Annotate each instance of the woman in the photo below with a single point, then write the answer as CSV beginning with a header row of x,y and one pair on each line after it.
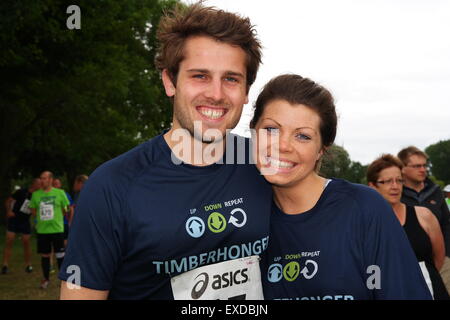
x,y
419,223
329,239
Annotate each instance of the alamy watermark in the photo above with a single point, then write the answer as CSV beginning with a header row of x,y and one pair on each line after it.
x,y
74,20
207,147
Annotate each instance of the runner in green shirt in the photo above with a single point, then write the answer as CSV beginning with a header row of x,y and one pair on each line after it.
x,y
49,206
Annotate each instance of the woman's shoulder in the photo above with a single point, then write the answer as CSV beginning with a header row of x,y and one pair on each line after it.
x,y
425,215
355,191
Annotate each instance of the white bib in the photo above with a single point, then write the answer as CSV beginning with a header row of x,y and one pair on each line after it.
x,y
238,279
25,208
46,212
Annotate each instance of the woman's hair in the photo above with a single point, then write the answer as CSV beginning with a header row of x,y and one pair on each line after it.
x,y
298,90
383,162
196,20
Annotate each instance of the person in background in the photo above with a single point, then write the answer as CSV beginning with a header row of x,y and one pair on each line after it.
x,y
49,205
419,190
421,226
447,194
18,222
78,184
69,214
329,239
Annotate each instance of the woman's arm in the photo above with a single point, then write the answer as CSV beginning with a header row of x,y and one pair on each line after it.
x,y
431,226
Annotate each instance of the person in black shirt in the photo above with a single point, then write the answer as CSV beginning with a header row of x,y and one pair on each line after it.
x,y
419,190
18,221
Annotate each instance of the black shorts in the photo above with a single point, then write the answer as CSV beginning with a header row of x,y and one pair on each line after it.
x,y
45,242
18,225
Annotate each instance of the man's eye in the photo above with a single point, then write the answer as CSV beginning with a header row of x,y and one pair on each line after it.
x,y
231,79
199,76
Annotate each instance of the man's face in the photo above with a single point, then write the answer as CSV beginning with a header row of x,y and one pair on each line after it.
x,y
77,185
46,180
211,86
36,185
57,183
416,168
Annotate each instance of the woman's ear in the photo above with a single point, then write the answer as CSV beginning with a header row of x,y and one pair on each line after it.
x,y
169,86
370,184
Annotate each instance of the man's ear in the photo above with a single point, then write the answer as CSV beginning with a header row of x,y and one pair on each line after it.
x,y
371,185
168,84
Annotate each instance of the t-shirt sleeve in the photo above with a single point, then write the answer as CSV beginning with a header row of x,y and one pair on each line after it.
x,y
95,241
393,271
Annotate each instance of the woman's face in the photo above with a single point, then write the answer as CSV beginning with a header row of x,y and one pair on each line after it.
x,y
390,184
289,142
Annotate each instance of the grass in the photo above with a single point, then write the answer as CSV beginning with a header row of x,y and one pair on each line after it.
x,y
19,285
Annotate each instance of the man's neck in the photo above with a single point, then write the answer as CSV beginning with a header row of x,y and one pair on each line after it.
x,y
47,189
415,185
193,151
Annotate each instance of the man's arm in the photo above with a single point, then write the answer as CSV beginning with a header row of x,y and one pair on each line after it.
x,y
81,293
70,214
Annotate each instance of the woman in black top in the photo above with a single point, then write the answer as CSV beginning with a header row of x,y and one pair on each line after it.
x,y
419,223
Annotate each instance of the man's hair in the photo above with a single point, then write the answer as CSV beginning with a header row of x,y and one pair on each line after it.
x,y
50,174
298,90
81,178
405,153
381,163
196,20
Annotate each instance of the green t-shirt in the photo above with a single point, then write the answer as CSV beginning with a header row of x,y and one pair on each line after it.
x,y
49,212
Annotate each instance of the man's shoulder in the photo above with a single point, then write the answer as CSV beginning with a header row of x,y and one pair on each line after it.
x,y
127,164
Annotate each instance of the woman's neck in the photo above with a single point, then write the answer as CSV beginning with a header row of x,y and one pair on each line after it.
x,y
300,197
400,212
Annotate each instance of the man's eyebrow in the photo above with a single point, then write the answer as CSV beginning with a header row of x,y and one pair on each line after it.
x,y
198,70
235,74
227,73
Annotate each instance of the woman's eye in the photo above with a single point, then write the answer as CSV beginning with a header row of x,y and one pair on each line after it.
x,y
272,130
303,137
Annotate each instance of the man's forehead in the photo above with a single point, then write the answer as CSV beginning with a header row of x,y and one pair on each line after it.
x,y
417,158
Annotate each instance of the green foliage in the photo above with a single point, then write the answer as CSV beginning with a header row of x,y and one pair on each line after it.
x,y
439,154
72,99
336,163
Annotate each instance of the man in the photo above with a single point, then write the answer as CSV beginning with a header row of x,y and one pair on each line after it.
x,y
419,190
78,184
49,205
150,216
18,221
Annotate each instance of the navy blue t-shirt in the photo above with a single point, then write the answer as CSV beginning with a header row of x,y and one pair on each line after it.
x,y
141,219
349,246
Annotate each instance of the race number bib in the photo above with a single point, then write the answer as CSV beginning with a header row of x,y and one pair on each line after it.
x,y
25,208
238,279
46,212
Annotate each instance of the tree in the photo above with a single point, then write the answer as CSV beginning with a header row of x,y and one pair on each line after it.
x,y
439,154
336,163
72,99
